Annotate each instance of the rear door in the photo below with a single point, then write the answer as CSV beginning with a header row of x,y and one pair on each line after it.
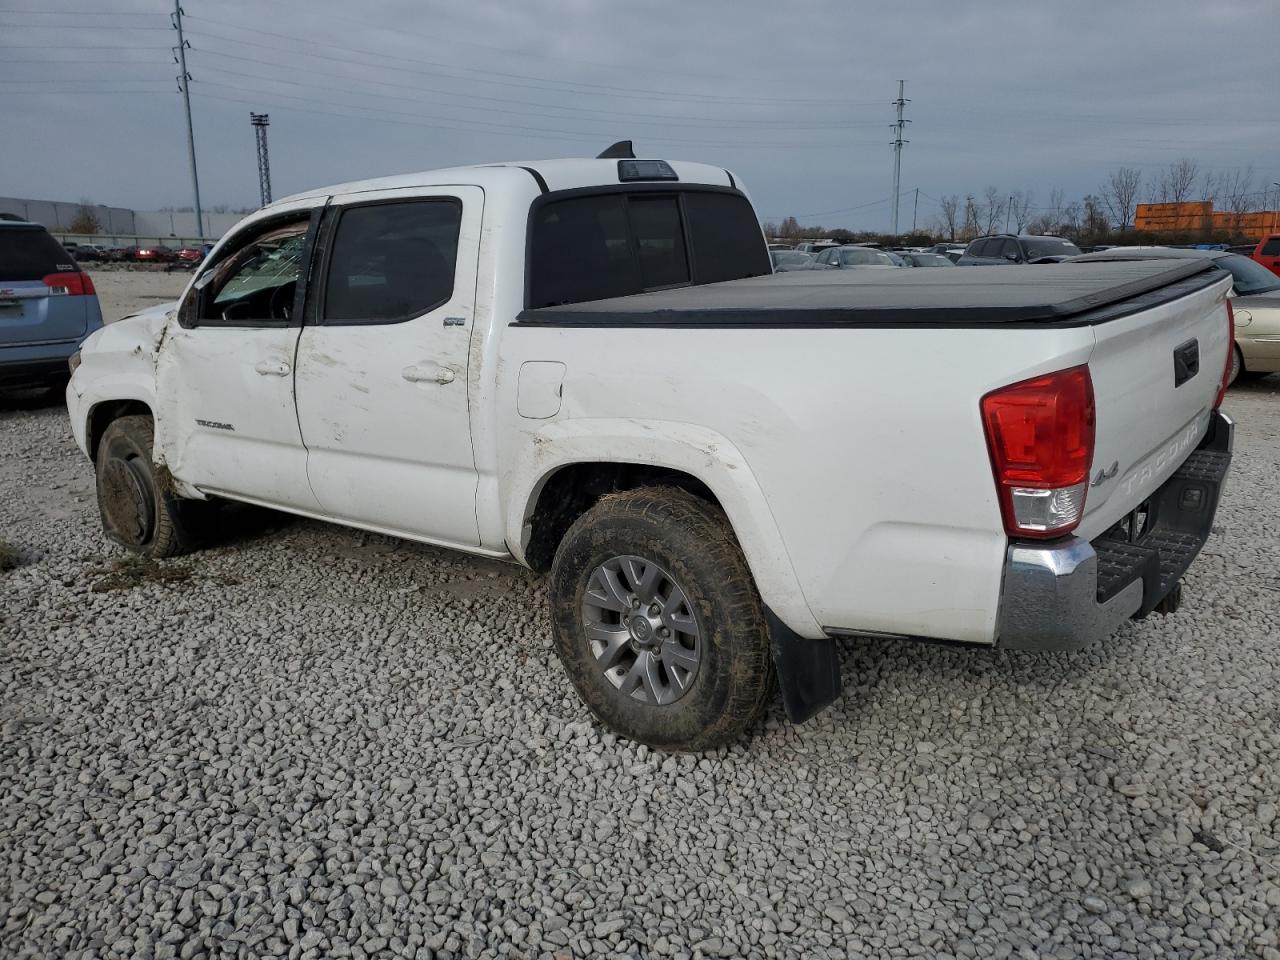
x,y
1156,375
382,363
38,301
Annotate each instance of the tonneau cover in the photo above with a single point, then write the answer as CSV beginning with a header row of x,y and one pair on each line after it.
x,y
956,296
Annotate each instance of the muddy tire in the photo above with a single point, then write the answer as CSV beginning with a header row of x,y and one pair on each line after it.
x,y
657,621
138,509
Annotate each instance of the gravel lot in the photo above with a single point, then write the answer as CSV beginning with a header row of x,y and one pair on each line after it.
x,y
312,742
122,291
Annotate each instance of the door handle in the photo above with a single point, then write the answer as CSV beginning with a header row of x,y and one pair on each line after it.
x,y
272,368
427,373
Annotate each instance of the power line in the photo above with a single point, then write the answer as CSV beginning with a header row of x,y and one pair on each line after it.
x,y
485,76
603,116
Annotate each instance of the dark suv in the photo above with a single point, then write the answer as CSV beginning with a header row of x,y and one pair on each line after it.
x,y
1006,248
47,306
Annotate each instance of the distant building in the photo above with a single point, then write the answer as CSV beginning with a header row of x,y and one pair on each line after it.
x,y
1199,216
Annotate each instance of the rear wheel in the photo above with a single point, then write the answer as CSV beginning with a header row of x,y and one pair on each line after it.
x,y
1237,365
657,620
139,509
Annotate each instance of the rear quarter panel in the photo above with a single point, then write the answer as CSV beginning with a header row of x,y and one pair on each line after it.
x,y
866,447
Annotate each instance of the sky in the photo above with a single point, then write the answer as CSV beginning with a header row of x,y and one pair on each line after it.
x,y
794,97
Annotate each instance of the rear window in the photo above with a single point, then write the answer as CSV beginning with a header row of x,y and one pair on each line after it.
x,y
726,237
1270,248
617,244
27,254
1051,247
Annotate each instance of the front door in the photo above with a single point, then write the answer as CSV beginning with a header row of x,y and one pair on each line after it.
x,y
226,422
382,363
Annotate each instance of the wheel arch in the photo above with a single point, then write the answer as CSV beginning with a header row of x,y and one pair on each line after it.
x,y
102,414
568,465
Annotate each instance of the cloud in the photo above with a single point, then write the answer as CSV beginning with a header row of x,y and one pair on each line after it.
x,y
793,97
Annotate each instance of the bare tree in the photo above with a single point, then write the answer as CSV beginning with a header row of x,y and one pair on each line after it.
x,y
1177,180
1095,222
1238,194
1070,219
950,215
1020,206
86,220
993,208
1120,195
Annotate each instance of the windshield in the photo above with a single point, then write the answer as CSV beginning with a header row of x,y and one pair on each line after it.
x,y
1050,247
1250,276
790,257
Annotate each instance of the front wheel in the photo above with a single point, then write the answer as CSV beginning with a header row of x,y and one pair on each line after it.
x,y
139,510
657,620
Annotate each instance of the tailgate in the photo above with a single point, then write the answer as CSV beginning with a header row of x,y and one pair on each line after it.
x,y
31,312
1156,374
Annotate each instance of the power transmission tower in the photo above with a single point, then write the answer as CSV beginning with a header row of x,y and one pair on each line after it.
x,y
184,79
260,123
898,128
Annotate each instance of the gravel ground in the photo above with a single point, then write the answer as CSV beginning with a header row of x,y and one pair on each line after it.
x,y
122,291
313,742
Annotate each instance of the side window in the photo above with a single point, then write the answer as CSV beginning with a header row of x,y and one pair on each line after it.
x,y
580,249
1010,247
656,225
978,248
390,262
257,282
726,238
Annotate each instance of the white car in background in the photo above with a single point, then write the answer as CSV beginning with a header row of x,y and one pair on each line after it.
x,y
1255,292
857,257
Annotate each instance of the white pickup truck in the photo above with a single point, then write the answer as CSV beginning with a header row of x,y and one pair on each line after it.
x,y
586,366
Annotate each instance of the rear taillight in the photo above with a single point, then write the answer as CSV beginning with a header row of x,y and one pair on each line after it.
x,y
1040,435
1231,355
69,284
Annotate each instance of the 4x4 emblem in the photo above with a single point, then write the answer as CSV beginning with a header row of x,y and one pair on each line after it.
x,y
1104,475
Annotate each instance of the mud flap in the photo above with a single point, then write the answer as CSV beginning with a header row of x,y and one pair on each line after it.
x,y
808,670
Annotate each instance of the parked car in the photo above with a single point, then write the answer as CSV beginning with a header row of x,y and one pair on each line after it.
x,y
153,253
1267,253
952,251
1256,302
89,252
816,246
784,261
927,260
47,306
855,256
189,256
691,559
1005,249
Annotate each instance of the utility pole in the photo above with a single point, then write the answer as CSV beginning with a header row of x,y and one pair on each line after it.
x,y
898,127
914,210
184,79
1007,211
260,123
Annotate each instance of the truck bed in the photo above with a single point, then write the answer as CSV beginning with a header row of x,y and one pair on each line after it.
x,y
1058,294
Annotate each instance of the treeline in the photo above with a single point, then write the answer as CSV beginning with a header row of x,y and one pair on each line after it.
x,y
1105,215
